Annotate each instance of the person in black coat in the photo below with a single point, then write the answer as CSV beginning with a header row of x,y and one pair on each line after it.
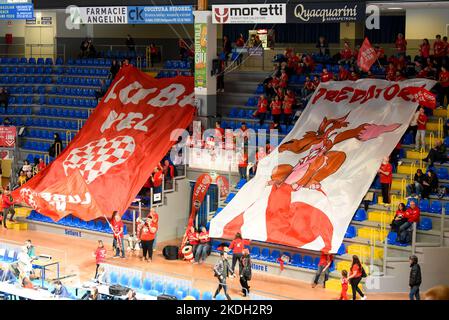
x,y
115,67
430,184
245,272
415,278
223,270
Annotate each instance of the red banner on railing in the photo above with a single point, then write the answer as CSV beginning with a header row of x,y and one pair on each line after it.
x,y
7,136
111,158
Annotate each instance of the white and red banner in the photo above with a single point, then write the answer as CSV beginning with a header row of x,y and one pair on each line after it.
x,y
112,156
7,136
306,191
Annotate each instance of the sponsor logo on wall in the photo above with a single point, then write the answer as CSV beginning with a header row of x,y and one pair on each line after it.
x,y
251,13
103,15
325,12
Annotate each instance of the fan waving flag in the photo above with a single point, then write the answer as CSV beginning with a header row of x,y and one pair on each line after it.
x,y
306,191
112,156
367,56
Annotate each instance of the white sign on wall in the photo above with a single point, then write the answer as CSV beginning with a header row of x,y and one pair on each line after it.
x,y
249,13
100,15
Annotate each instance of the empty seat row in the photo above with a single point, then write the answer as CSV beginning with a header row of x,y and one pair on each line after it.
x,y
26,90
38,146
100,72
61,112
83,103
52,123
15,110
16,60
26,70
77,81
16,121
48,134
24,80
89,62
172,74
177,64
21,100
72,91
8,254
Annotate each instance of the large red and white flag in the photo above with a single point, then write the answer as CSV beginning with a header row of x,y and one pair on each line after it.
x,y
112,156
367,56
306,191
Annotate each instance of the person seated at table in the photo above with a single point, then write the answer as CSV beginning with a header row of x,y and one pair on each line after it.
x,y
131,295
92,294
437,153
60,291
24,262
25,281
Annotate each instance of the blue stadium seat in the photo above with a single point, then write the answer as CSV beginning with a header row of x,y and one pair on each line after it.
x,y
136,284
147,285
159,287
351,232
342,249
424,204
275,254
436,206
360,215
124,280
442,173
296,260
307,262
113,278
264,254
425,224
255,252
170,289
229,197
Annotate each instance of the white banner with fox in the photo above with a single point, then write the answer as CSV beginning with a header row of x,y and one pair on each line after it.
x,y
305,192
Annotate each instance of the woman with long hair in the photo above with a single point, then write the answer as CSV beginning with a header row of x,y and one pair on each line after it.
x,y
237,245
399,218
356,274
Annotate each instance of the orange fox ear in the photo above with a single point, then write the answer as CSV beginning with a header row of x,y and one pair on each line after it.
x,y
323,125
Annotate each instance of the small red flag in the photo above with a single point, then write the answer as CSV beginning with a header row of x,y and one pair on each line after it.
x,y
424,97
367,56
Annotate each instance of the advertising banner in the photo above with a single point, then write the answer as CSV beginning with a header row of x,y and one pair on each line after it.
x,y
7,137
325,12
200,55
16,11
249,13
160,15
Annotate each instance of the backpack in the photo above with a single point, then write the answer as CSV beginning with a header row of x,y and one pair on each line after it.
x,y
364,275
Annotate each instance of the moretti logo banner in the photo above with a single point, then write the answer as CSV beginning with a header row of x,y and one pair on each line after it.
x,y
325,12
21,11
249,13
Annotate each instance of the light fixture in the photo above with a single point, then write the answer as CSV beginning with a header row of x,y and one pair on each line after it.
x,y
395,8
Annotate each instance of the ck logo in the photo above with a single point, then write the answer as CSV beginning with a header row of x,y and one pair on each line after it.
x,y
135,14
221,17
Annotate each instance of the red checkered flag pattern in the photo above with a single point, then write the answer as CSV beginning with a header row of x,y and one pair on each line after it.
x,y
115,152
367,56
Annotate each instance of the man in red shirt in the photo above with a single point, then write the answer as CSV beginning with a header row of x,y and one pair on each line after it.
x,y
287,106
421,133
276,109
386,177
323,266
309,88
438,48
443,90
7,206
346,53
412,215
326,76
343,74
401,44
391,72
157,181
118,232
243,164
262,108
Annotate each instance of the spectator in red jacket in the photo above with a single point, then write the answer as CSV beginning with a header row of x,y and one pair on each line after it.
x,y
401,44
443,88
354,76
276,109
346,53
262,109
308,89
203,247
438,48
100,256
243,164
386,177
391,72
193,239
326,75
118,232
237,245
7,206
156,180
412,215
316,81
287,106
240,41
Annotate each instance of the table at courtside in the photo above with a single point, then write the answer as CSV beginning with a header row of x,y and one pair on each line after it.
x,y
103,289
31,294
43,264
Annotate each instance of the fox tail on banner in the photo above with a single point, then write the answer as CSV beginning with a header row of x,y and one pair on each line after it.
x,y
202,184
112,156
